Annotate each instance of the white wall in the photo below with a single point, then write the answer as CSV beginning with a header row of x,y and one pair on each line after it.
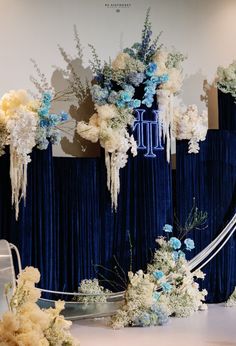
x,y
203,29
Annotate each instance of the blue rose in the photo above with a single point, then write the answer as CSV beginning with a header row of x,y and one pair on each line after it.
x,y
156,295
175,243
178,254
181,254
166,286
158,274
136,103
168,228
189,243
175,255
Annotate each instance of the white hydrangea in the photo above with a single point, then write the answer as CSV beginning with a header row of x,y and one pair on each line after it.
x,y
189,124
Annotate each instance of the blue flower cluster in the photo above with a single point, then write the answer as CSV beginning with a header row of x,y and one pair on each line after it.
x,y
47,123
155,316
123,98
151,86
106,92
162,315
99,94
176,244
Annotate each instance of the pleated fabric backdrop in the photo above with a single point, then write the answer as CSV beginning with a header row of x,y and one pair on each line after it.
x,y
34,232
210,177
227,111
68,226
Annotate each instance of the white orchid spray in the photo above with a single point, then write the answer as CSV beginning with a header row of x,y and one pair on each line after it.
x,y
24,124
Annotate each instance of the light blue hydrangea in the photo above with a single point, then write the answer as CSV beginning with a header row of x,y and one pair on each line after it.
x,y
189,243
175,243
158,274
143,320
136,103
168,228
99,95
120,104
126,96
162,315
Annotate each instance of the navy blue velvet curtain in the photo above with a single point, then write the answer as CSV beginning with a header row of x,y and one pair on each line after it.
x,y
210,177
227,111
34,232
68,226
90,233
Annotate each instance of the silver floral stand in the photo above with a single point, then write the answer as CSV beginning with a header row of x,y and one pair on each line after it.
x,y
7,273
76,310
73,310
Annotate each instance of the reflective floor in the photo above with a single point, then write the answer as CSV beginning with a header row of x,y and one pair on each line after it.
x,y
215,327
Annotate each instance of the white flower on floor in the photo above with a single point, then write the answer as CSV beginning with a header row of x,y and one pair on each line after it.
x,y
141,307
25,324
94,292
232,299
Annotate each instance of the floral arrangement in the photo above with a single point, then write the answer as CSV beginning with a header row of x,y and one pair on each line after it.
x,y
189,124
232,299
24,124
170,264
146,68
226,79
26,324
167,289
141,307
96,292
